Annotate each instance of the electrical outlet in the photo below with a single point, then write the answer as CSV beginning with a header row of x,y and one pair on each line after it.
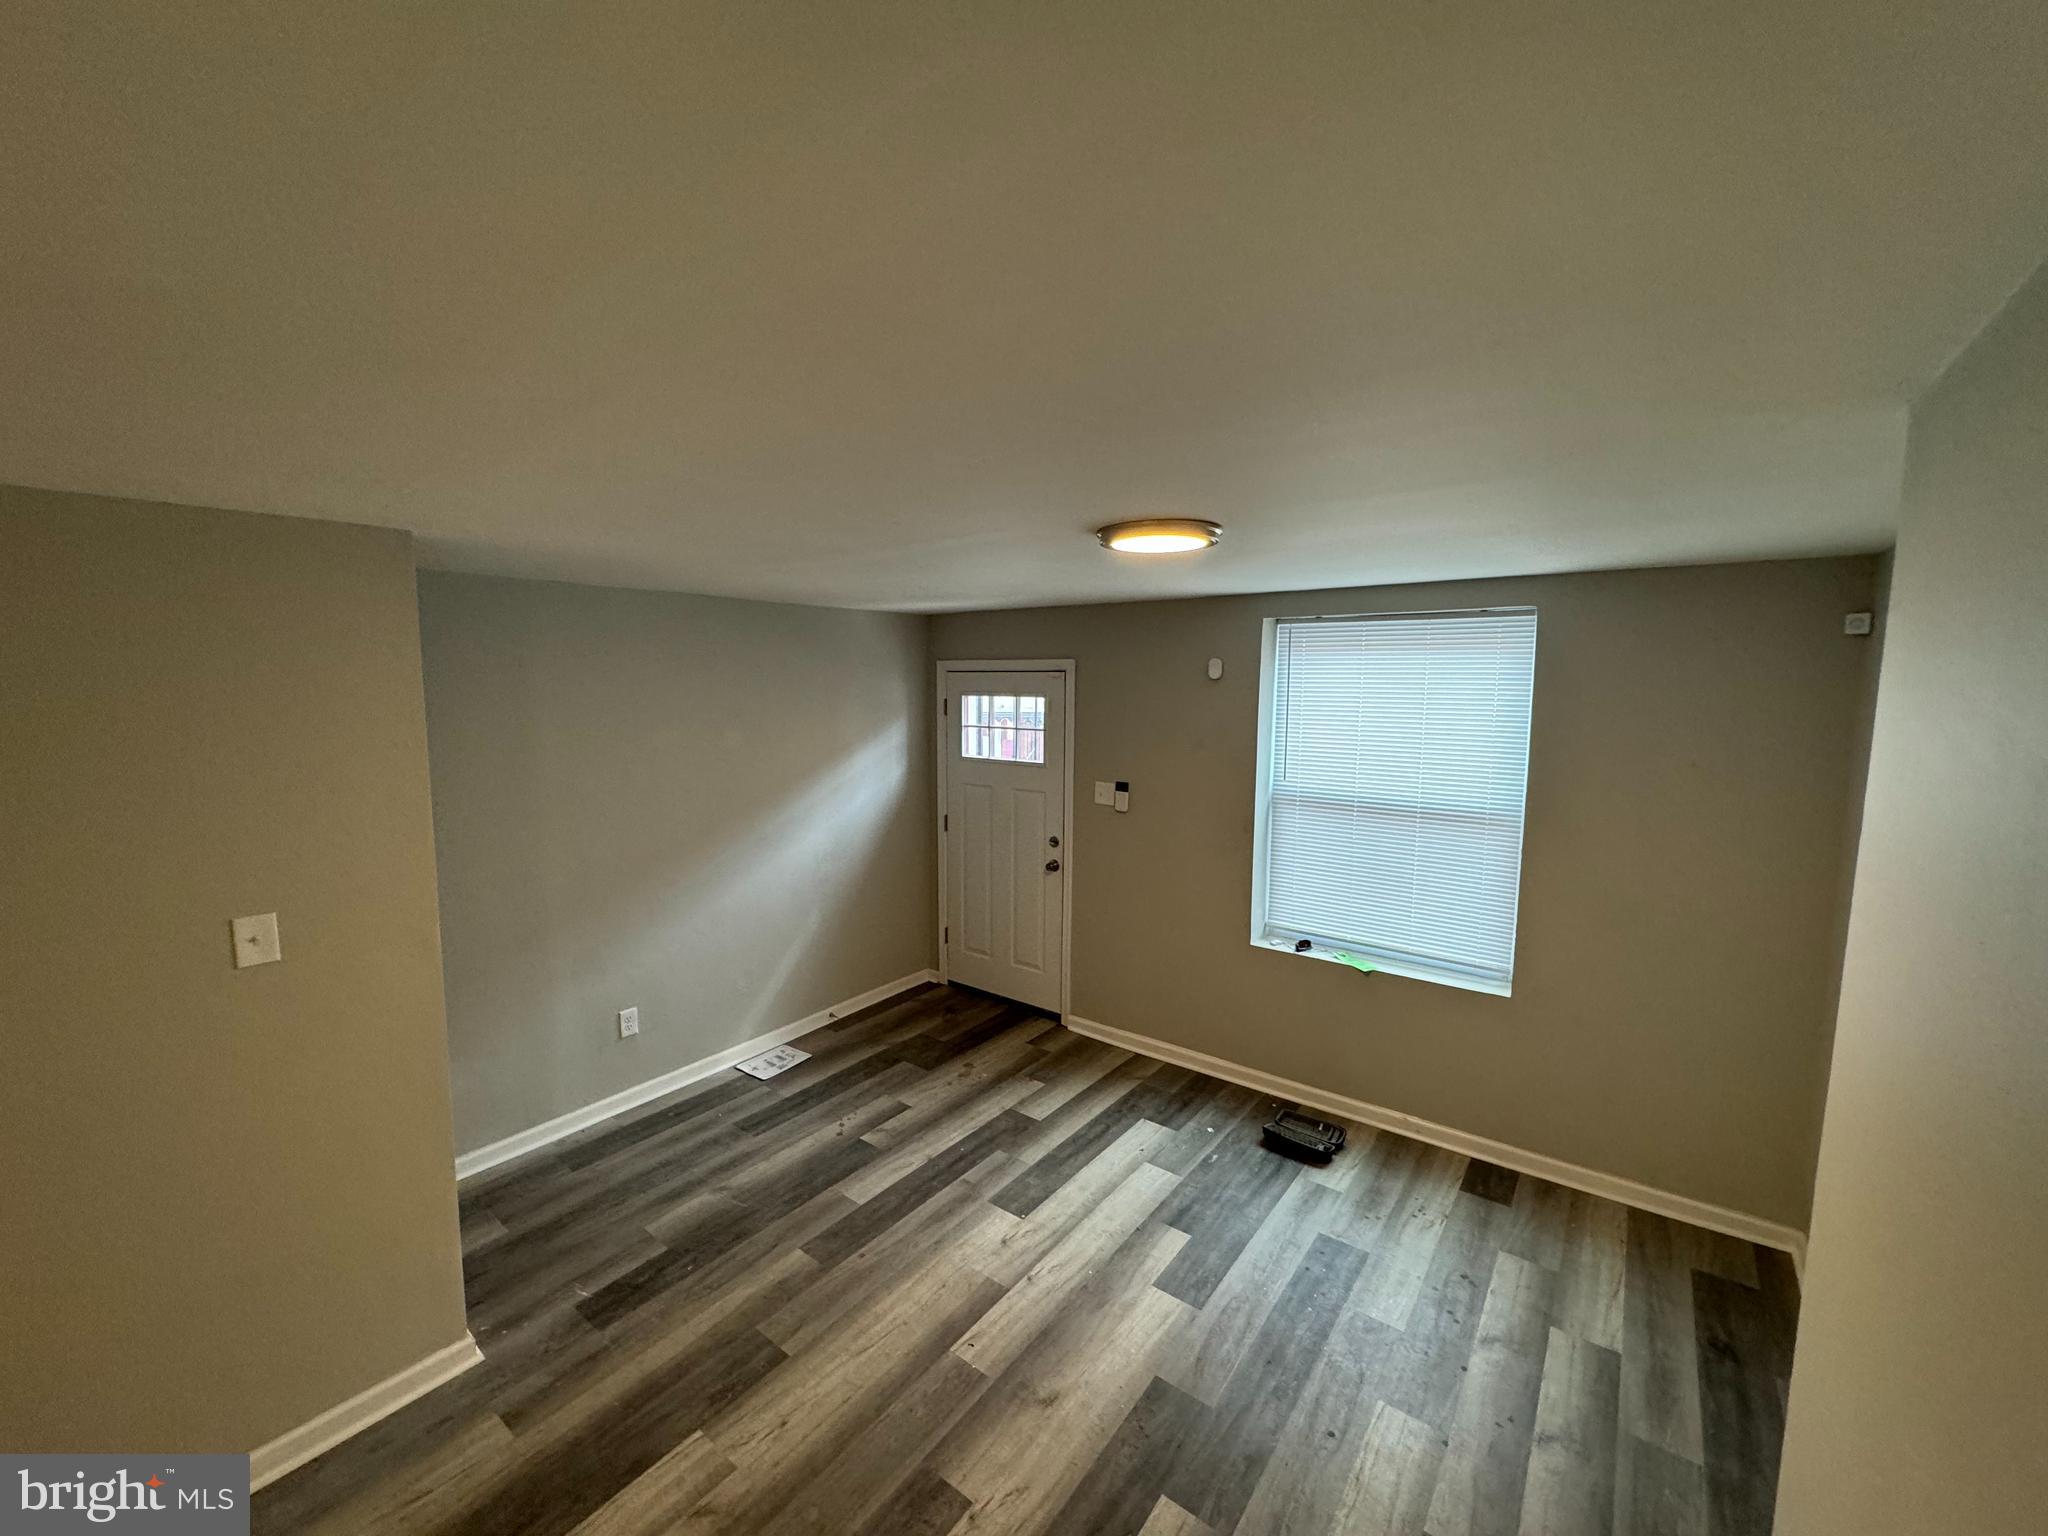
x,y
629,1022
1856,623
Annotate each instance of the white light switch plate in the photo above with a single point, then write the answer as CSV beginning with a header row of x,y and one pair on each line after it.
x,y
768,1063
256,940
629,1022
1105,792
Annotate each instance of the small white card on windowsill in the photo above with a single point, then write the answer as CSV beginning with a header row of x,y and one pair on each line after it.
x,y
768,1063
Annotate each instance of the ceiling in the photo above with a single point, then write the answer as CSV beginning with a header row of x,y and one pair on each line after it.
x,y
889,305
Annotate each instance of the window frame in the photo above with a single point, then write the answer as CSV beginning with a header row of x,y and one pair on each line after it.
x,y
1279,940
1018,731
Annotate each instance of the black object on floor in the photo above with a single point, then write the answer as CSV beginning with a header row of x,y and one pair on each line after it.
x,y
1297,1135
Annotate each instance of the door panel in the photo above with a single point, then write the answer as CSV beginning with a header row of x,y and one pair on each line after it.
x,y
1028,831
974,933
1006,771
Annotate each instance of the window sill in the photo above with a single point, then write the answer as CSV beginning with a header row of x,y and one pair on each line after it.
x,y
1390,967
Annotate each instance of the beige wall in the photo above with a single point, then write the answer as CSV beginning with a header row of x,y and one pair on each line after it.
x,y
227,1194
716,811
1917,1400
1691,762
1859,780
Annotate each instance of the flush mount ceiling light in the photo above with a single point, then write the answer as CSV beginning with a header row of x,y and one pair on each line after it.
x,y
1159,536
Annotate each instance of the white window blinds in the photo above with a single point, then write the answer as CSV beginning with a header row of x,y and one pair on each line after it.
x,y
1396,759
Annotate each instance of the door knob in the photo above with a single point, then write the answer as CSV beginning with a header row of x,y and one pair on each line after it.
x,y
1052,865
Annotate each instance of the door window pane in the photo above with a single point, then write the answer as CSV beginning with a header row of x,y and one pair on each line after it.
x,y
1003,726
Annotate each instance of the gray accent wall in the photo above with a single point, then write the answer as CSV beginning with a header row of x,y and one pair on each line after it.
x,y
1696,749
719,812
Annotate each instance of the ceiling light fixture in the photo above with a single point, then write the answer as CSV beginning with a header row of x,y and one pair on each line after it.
x,y
1159,536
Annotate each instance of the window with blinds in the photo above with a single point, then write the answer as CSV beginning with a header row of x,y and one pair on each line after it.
x,y
1393,759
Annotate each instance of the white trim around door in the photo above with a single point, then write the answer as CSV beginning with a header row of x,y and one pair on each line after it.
x,y
939,741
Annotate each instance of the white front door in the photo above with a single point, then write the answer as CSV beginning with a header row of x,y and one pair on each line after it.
x,y
1005,838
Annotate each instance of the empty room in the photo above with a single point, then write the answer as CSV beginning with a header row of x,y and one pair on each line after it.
x,y
898,769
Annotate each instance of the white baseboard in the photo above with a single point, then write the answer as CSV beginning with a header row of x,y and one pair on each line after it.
x,y
1610,1186
295,1447
575,1120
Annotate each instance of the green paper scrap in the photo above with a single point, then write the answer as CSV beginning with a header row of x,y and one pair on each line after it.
x,y
1353,961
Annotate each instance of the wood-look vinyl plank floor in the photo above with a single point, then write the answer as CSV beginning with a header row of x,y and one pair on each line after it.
x,y
964,1272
